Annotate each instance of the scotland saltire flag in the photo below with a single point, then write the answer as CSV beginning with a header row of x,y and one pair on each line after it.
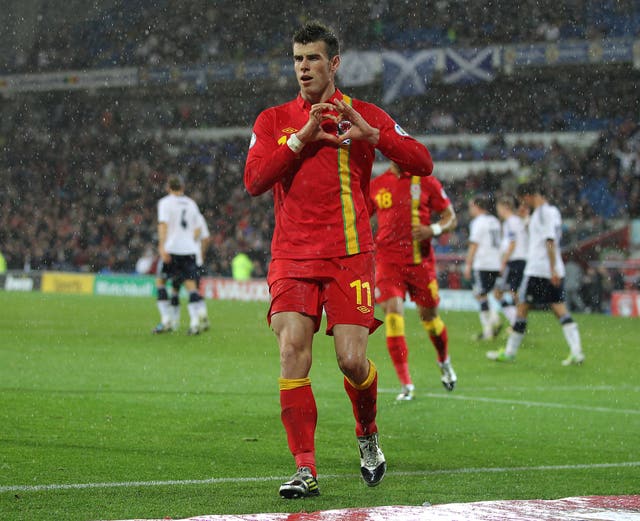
x,y
470,65
407,74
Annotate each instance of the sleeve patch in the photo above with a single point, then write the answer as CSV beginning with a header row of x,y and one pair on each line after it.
x,y
401,131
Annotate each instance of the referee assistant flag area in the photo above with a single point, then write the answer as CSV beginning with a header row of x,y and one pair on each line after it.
x,y
597,508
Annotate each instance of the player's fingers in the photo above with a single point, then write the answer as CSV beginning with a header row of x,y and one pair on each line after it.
x,y
330,137
332,117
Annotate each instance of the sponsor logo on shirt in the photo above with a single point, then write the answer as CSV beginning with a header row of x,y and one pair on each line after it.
x,y
287,132
364,309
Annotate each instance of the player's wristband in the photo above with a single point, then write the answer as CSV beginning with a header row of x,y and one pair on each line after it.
x,y
436,229
294,144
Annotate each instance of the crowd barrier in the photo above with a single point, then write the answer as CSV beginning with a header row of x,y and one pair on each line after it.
x,y
623,303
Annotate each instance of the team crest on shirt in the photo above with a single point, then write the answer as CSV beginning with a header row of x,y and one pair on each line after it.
x,y
343,127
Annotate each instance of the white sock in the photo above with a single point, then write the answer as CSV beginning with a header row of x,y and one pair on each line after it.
x,y
485,321
165,311
202,307
194,315
572,336
510,314
175,315
513,343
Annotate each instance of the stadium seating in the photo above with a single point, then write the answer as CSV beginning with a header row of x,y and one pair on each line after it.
x,y
99,157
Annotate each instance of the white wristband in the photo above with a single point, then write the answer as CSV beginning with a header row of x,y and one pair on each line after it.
x,y
294,144
436,229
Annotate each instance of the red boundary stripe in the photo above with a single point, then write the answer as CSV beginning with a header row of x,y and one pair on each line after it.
x,y
568,509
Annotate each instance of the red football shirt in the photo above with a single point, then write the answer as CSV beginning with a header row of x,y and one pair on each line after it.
x,y
321,196
401,202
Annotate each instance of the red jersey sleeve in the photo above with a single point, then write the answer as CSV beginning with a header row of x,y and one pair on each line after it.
x,y
267,161
398,146
438,200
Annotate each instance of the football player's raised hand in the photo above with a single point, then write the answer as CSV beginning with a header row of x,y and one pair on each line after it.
x,y
312,130
360,129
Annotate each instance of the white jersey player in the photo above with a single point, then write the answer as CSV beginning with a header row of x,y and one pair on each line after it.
x,y
202,236
202,239
545,224
513,251
483,261
178,227
543,277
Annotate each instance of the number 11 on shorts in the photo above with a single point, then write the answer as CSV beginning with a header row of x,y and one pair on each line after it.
x,y
360,287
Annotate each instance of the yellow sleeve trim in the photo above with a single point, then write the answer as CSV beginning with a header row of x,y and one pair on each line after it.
x,y
369,380
286,384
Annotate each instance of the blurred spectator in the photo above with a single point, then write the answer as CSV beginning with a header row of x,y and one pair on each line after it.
x,y
241,266
573,286
146,265
593,290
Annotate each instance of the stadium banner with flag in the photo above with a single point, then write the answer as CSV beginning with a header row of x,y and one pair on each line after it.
x,y
408,73
470,65
358,68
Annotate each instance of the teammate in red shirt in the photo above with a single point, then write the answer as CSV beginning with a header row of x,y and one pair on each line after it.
x,y
405,263
315,154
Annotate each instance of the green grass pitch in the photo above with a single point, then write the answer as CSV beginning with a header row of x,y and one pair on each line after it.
x,y
156,426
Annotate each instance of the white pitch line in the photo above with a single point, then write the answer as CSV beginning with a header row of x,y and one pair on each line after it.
x,y
174,482
526,403
558,388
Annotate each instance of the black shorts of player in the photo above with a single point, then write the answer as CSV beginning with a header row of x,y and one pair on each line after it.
x,y
538,290
181,268
179,281
484,282
512,277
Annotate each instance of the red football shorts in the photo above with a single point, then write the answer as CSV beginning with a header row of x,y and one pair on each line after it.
x,y
342,286
396,280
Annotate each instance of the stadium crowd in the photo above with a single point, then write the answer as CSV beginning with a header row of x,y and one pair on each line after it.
x,y
82,171
80,185
158,33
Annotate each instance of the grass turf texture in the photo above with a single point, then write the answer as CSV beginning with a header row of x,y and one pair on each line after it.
x,y
90,396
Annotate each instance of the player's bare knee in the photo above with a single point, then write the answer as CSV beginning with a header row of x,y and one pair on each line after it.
x,y
353,367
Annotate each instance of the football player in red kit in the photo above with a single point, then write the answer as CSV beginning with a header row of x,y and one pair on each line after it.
x,y
405,263
315,154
